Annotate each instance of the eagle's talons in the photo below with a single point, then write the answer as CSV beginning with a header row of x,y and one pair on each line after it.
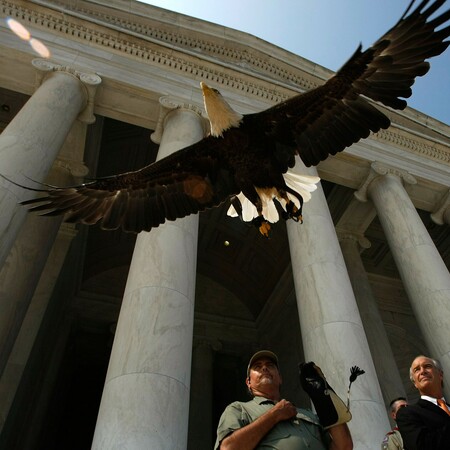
x,y
263,225
294,213
264,229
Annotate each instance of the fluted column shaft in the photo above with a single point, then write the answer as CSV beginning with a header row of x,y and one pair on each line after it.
x,y
20,274
145,402
32,140
380,348
424,274
331,327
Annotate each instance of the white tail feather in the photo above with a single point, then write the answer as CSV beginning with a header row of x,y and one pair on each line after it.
x,y
303,184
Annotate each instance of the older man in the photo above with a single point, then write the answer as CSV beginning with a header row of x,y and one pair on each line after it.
x,y
426,424
268,421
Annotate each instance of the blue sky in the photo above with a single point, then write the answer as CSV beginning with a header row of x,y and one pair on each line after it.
x,y
326,32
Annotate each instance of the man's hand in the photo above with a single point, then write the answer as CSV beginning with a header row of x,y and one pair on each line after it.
x,y
284,410
249,436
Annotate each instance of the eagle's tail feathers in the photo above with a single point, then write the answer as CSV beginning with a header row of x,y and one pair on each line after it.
x,y
304,185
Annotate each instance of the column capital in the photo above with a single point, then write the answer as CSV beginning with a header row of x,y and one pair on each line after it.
x,y
169,104
89,81
378,170
65,172
359,238
441,214
75,168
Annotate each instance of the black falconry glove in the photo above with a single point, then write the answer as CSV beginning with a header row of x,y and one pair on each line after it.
x,y
329,407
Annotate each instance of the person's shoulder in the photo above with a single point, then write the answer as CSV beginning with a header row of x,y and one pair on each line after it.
x,y
387,438
394,434
420,404
236,404
413,409
402,411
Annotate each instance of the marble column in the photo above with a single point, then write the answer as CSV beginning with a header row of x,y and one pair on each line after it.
x,y
423,272
332,332
380,348
20,275
201,435
31,142
27,258
11,377
145,402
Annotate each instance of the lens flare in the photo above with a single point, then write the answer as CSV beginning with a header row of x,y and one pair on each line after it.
x,y
20,31
39,48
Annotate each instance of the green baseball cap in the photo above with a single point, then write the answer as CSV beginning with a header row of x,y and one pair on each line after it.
x,y
262,354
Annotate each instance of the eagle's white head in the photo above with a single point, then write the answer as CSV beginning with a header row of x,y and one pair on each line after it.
x,y
220,114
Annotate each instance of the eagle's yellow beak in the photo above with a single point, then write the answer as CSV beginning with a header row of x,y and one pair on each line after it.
x,y
206,90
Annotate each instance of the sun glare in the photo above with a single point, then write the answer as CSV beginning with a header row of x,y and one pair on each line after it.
x,y
39,48
20,31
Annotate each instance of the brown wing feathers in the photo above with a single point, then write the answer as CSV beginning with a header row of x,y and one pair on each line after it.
x,y
399,56
315,124
342,120
336,115
134,201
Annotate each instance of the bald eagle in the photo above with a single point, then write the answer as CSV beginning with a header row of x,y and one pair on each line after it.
x,y
246,159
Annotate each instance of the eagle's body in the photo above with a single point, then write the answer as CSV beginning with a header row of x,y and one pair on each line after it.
x,y
246,158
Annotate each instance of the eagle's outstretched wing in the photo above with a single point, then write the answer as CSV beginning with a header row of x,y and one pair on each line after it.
x,y
336,115
186,182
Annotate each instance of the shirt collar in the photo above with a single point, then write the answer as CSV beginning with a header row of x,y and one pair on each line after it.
x,y
431,399
263,400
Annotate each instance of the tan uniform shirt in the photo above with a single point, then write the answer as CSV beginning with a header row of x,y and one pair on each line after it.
x,y
303,432
392,441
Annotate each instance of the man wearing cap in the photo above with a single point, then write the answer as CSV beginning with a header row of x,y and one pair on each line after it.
x,y
268,421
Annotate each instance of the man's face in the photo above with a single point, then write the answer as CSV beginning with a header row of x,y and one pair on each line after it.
x,y
427,379
263,375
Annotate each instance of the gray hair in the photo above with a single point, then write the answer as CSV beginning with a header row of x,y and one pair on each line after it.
x,y
435,362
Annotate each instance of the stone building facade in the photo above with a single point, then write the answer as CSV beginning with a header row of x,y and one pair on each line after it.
x,y
118,341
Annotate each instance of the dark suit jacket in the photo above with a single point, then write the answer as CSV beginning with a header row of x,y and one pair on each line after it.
x,y
424,426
